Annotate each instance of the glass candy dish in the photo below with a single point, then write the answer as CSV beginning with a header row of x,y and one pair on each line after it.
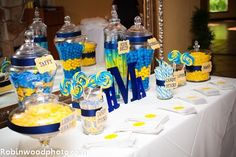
x,y
41,117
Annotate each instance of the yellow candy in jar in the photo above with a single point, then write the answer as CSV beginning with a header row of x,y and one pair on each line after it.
x,y
42,114
200,58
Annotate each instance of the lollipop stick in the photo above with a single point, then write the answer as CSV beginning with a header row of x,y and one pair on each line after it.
x,y
90,90
174,66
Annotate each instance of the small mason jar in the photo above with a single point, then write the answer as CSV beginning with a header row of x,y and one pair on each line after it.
x,y
93,115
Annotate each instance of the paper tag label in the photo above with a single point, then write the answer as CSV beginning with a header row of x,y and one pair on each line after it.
x,y
171,83
68,122
123,46
180,75
207,67
153,43
45,64
101,116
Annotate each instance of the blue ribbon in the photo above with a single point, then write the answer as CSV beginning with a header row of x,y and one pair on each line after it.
x,y
75,105
89,113
40,39
88,55
160,82
66,35
5,83
138,39
22,62
35,129
108,45
194,68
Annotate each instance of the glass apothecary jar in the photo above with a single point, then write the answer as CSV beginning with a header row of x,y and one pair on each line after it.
x,y
40,30
140,51
24,74
202,66
42,117
70,45
114,33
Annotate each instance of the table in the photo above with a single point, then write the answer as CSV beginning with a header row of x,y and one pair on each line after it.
x,y
209,133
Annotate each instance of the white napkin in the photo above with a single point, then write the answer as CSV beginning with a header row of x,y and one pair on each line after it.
x,y
180,108
222,84
193,99
146,124
207,90
124,139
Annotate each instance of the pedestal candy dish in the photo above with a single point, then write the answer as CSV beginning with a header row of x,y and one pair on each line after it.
x,y
42,117
24,74
140,52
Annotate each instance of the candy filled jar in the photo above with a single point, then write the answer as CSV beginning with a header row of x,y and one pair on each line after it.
x,y
70,45
114,33
42,117
89,53
93,115
140,51
163,72
40,30
24,74
202,66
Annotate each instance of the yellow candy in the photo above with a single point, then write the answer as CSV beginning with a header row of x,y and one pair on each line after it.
x,y
42,114
71,64
199,59
88,61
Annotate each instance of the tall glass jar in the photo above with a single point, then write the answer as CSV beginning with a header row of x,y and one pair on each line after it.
x,y
24,74
140,51
40,30
69,44
114,33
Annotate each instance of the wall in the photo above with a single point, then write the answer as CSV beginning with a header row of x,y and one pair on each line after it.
x,y
79,9
177,16
177,20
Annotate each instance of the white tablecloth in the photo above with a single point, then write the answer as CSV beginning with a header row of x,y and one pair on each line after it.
x,y
209,133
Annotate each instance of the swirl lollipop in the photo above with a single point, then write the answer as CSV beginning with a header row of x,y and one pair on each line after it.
x,y
5,65
174,56
77,91
91,81
104,79
187,59
65,87
80,78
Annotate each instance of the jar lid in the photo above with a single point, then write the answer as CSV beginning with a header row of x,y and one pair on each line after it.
x,y
137,32
27,53
68,29
38,26
114,22
196,48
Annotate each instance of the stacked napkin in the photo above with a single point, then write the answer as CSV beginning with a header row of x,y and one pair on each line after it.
x,y
150,123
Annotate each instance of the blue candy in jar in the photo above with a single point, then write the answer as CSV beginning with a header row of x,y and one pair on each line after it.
x,y
24,74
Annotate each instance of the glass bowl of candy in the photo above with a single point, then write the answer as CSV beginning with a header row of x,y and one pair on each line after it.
x,y
42,117
24,74
202,66
140,51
